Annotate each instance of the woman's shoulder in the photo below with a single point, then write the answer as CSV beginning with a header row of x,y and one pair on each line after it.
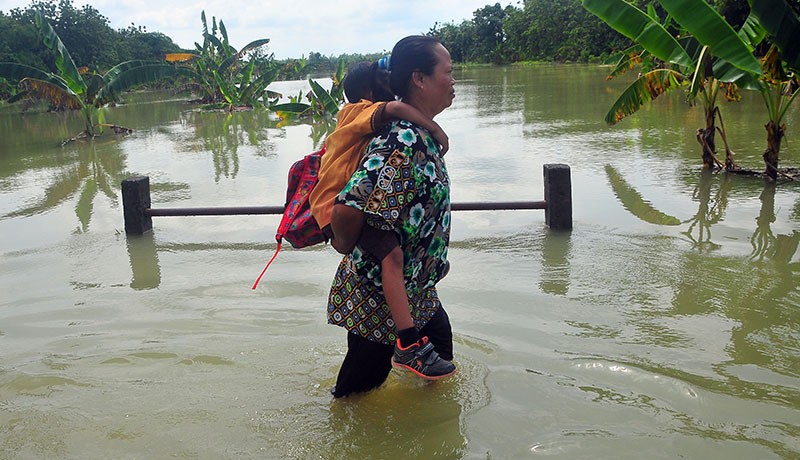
x,y
403,134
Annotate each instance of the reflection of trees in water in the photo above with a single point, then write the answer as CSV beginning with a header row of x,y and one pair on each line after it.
x,y
709,212
90,168
756,293
222,133
320,131
87,173
712,206
632,200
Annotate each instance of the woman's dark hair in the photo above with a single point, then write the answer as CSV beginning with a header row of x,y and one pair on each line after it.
x,y
414,53
363,78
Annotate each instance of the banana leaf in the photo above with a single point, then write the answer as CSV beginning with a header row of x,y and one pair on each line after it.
x,y
752,33
327,101
259,85
710,29
699,76
253,45
64,62
221,49
224,33
14,72
638,26
127,65
228,91
628,59
782,24
645,89
126,77
53,90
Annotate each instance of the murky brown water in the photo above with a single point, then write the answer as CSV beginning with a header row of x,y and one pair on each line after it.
x,y
664,326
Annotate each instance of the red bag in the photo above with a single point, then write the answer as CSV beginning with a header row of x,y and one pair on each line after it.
x,y
298,225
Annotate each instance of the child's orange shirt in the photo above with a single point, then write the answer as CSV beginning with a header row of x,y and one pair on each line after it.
x,y
344,149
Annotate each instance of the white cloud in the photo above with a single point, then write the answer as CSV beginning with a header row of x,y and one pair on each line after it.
x,y
294,27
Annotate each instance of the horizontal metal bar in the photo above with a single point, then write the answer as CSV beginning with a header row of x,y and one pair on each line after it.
x,y
244,210
498,205
218,211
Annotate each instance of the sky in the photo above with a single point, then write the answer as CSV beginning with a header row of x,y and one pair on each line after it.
x,y
294,27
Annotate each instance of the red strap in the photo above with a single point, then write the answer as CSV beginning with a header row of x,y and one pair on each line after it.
x,y
268,264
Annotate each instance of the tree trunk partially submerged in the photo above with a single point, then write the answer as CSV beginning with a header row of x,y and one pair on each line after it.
x,y
705,136
775,135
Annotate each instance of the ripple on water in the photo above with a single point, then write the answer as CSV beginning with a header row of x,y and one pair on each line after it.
x,y
38,385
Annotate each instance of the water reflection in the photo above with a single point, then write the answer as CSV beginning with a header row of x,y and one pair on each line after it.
x,y
222,133
710,210
632,200
88,168
143,257
556,254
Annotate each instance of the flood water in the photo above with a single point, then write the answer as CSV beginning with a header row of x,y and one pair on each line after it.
x,y
665,325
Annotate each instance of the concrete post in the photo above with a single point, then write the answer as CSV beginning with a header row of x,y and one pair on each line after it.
x,y
135,201
558,195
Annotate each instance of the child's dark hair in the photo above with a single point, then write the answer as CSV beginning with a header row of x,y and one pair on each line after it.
x,y
363,78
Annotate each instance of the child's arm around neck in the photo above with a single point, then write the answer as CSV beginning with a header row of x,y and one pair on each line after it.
x,y
399,109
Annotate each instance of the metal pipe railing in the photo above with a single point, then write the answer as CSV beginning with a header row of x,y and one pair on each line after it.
x,y
557,203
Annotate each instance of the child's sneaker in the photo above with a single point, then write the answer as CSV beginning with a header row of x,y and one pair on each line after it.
x,y
421,359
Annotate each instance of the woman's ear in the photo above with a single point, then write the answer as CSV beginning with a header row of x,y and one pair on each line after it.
x,y
417,78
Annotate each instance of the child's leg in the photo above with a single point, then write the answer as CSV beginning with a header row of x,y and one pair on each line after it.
x,y
440,333
394,289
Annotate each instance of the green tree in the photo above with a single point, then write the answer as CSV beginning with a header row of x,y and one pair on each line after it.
x,y
458,39
489,35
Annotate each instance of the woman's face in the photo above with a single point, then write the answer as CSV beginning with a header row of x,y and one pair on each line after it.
x,y
438,89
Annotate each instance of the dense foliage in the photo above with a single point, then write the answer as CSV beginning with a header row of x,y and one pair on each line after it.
x,y
550,30
85,32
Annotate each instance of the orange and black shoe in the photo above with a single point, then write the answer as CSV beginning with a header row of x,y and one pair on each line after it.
x,y
421,359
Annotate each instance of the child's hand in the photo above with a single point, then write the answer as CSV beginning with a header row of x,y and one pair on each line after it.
x,y
442,139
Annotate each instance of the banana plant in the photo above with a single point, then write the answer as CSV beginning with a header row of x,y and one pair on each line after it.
x,y
779,85
74,88
323,104
222,72
669,63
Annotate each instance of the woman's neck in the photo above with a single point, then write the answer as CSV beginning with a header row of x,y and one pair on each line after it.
x,y
414,100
